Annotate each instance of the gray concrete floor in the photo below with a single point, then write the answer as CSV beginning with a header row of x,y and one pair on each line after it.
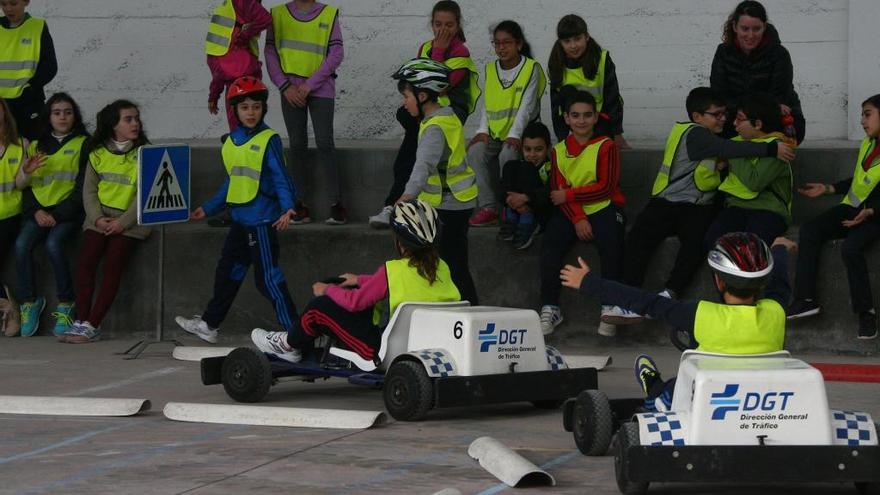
x,y
149,454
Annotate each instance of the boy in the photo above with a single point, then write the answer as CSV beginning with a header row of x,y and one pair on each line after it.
x,y
528,197
745,322
260,194
584,185
683,202
28,64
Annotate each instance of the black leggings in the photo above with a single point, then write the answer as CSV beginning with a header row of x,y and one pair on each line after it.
x,y
453,248
353,331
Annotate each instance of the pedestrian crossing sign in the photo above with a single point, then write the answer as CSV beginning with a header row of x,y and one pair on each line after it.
x,y
163,184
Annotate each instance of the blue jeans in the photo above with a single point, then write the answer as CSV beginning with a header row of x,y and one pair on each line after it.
x,y
55,238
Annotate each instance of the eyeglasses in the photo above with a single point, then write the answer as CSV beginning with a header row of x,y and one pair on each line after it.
x,y
720,114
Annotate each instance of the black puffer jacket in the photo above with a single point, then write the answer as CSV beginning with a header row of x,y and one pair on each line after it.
x,y
766,69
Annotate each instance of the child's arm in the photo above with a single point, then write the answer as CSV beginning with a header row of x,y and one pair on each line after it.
x,y
524,112
756,177
455,49
90,197
273,62
612,101
572,211
429,153
282,183
607,177
335,54
47,67
370,290
702,144
560,128
254,19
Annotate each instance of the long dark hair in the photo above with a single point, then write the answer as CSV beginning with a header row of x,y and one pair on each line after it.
x,y
750,8
425,259
516,32
874,101
108,117
9,130
78,129
570,26
452,7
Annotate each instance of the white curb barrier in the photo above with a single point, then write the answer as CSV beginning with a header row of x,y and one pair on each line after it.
x,y
506,465
71,406
186,353
295,417
448,491
598,362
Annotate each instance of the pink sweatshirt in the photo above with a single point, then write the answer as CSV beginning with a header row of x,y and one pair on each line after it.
x,y
455,49
370,290
251,19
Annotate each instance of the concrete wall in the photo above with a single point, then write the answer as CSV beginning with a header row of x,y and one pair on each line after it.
x,y
151,51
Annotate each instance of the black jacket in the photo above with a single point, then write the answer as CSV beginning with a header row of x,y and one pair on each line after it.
x,y
612,106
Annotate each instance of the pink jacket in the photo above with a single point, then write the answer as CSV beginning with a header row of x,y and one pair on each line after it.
x,y
251,19
370,290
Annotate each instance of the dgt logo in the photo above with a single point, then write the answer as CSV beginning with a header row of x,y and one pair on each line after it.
x,y
752,401
488,337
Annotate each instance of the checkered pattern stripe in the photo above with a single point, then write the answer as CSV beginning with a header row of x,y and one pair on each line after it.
x,y
661,429
437,362
853,428
554,358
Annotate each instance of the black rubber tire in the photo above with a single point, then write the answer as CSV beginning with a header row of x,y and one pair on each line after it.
x,y
593,423
867,488
627,435
548,404
408,391
247,375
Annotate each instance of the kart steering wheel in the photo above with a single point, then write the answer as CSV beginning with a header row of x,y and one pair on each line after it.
x,y
676,335
333,280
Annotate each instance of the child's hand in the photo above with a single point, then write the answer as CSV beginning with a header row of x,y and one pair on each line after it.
x,y
212,107
198,214
788,244
558,196
720,164
572,276
815,189
442,38
785,109
351,280
513,143
404,198
32,163
101,223
479,138
584,230
864,214
44,219
319,288
293,96
284,220
516,200
785,152
113,227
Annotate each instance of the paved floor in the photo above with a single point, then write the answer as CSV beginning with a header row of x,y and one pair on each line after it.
x,y
149,454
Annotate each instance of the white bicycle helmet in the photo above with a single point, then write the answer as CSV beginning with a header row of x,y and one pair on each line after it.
x,y
742,260
424,73
415,222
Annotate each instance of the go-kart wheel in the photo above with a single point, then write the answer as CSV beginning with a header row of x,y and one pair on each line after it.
x,y
865,488
593,423
247,375
408,391
627,435
548,404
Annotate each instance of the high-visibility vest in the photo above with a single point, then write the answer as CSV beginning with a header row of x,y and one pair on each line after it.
x,y
863,182
302,45
502,104
454,175
544,172
595,86
580,170
19,56
244,164
55,180
456,63
219,38
740,329
733,186
706,177
406,285
10,197
117,177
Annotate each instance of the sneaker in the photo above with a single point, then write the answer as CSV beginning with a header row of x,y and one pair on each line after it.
x,y
615,315
801,308
668,294
867,325
82,334
607,329
338,215
551,317
10,315
275,343
197,326
484,217
73,329
302,214
508,228
524,235
63,321
382,220
30,316
646,372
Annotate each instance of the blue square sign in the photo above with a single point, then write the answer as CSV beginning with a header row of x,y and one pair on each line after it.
x,y
163,184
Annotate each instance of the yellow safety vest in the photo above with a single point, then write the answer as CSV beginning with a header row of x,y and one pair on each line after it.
x,y
729,329
544,172
219,38
244,165
117,177
406,285
733,186
580,170
863,182
19,56
10,197
454,175
706,176
302,45
456,63
55,180
595,86
502,104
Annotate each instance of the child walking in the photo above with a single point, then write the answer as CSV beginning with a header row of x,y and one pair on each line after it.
x,y
12,156
527,205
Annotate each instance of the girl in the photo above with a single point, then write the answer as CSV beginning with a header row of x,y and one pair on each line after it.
x,y
356,311
52,179
577,62
446,47
12,154
111,229
854,221
514,86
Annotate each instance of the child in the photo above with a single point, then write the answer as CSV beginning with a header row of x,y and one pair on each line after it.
x,y
232,47
356,311
578,63
12,155
683,197
758,189
53,208
303,51
111,228
852,220
514,87
448,48
745,322
29,63
260,195
441,176
584,185
528,197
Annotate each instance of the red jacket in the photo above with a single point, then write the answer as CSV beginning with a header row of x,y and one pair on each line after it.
x,y
607,185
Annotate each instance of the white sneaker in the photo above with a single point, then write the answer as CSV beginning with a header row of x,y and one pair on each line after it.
x,y
551,317
382,219
275,343
616,315
197,327
607,329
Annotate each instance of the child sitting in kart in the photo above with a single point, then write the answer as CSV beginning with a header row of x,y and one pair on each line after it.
x,y
749,320
356,311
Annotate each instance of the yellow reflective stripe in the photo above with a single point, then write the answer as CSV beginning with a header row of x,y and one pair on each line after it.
x,y
303,46
16,65
245,172
428,188
59,176
7,186
462,184
853,199
116,178
501,114
217,39
13,83
223,21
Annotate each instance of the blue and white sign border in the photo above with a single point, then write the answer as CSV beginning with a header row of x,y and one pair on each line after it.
x,y
144,185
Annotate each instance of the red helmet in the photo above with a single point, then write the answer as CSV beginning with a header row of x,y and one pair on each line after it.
x,y
742,260
246,86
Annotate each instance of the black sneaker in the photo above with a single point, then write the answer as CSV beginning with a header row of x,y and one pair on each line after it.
x,y
302,214
338,215
524,235
867,325
801,308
